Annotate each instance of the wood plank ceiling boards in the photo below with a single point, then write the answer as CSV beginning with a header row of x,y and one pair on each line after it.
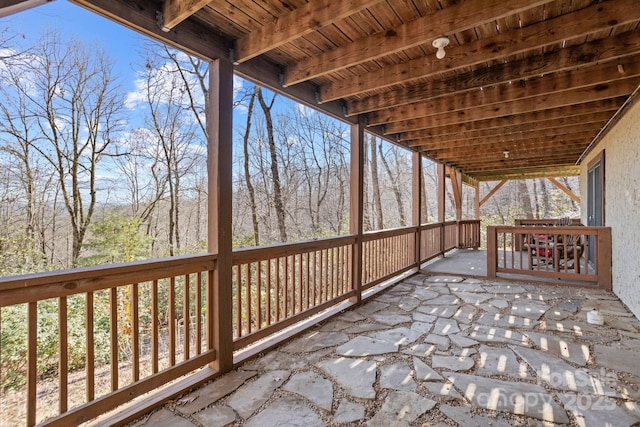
x,y
536,78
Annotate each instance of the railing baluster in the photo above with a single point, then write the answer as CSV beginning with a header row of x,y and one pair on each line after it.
x,y
113,324
32,361
90,356
277,273
247,299
135,334
238,300
154,326
172,321
268,293
259,294
63,354
199,313
186,316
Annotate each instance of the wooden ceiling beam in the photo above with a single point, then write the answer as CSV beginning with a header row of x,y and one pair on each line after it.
x,y
540,144
176,11
508,165
450,20
460,132
539,103
493,134
531,38
573,148
528,173
600,74
295,24
528,121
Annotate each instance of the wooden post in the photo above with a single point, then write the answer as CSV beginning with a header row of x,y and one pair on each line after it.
x,y
219,128
477,201
355,205
441,200
492,262
603,257
456,184
416,202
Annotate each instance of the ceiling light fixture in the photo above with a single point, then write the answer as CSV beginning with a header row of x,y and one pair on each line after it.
x,y
440,43
506,154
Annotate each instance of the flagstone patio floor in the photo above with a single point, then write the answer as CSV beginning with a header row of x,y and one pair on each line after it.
x,y
439,350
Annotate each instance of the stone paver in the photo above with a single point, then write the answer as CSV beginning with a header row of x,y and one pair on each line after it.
x,y
280,412
214,391
252,395
500,361
618,359
316,341
570,350
446,327
216,416
398,336
366,346
400,408
559,375
463,416
440,341
513,397
316,388
356,376
348,412
397,376
442,350
425,372
452,363
506,320
601,411
443,391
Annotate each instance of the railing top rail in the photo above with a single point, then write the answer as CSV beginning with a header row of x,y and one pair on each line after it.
x,y
569,229
39,286
256,253
380,234
156,268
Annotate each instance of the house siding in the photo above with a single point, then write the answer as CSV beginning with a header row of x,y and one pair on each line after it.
x,y
621,145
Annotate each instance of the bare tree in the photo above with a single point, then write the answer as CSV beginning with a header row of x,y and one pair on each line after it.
x,y
72,93
247,170
375,182
275,174
394,176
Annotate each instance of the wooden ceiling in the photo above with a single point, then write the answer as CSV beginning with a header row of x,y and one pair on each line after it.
x,y
538,79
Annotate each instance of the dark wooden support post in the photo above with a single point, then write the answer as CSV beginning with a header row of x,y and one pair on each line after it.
x,y
416,202
219,128
355,205
456,184
603,258
477,201
441,202
492,251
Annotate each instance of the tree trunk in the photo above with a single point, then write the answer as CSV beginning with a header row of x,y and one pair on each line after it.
x,y
277,189
376,183
394,184
247,172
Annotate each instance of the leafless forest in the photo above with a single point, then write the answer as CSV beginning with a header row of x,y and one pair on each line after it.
x,y
83,183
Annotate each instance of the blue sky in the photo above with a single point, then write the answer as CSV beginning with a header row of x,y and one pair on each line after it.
x,y
123,44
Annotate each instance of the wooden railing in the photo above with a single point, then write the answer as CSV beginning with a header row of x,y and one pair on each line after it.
x,y
276,286
571,252
157,331
386,254
144,324
542,222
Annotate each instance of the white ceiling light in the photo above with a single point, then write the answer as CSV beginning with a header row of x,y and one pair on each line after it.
x,y
440,43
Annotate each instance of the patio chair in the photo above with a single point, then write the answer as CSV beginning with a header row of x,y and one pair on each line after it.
x,y
539,250
567,251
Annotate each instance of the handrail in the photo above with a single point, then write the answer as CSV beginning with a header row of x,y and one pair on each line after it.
x,y
545,252
40,286
167,304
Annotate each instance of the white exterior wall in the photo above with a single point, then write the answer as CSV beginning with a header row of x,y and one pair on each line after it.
x,y
621,147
